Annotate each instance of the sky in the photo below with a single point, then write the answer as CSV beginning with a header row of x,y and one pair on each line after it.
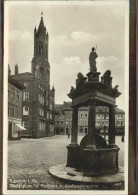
x,y
73,31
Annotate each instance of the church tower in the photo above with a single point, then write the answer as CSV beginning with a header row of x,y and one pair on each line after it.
x,y
40,58
38,99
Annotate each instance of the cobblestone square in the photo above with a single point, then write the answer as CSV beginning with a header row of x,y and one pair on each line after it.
x,y
30,159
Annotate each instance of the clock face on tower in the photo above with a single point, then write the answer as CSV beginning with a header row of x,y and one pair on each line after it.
x,y
26,84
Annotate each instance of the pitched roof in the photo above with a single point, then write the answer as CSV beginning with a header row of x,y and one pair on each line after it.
x,y
15,83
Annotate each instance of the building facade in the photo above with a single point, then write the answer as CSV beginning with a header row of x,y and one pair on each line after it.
x,y
102,119
38,98
14,109
59,123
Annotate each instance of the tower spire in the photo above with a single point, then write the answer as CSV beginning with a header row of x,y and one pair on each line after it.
x,y
41,28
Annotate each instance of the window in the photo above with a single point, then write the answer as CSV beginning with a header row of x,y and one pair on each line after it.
x,y
26,96
81,122
86,115
25,110
47,115
41,99
8,110
40,111
40,48
12,112
107,116
25,125
17,113
17,97
13,95
41,126
81,115
85,122
81,130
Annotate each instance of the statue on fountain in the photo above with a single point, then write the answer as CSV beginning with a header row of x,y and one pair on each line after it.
x,y
92,57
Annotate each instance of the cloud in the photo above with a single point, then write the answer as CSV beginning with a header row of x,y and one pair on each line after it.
x,y
82,36
71,60
79,43
17,35
108,61
64,74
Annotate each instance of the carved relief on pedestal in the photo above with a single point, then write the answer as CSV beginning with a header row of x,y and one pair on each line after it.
x,y
106,78
81,80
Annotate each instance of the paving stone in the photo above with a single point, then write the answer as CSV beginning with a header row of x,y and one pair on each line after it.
x,y
76,178
118,177
87,179
31,159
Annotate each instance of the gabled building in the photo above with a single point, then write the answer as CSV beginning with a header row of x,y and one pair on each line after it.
x,y
101,123
38,98
15,127
59,122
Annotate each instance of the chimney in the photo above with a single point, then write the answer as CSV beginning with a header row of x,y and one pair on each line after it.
x,y
16,69
9,70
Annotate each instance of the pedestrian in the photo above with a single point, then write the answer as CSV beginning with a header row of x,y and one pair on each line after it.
x,y
68,134
122,138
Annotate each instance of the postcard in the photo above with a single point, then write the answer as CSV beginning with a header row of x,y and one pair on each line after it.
x,y
66,97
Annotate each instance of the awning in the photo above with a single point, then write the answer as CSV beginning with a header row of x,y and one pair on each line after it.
x,y
21,127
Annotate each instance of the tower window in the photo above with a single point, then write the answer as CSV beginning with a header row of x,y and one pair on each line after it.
x,y
25,110
40,48
26,96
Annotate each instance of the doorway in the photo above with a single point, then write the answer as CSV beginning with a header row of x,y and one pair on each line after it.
x,y
86,130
